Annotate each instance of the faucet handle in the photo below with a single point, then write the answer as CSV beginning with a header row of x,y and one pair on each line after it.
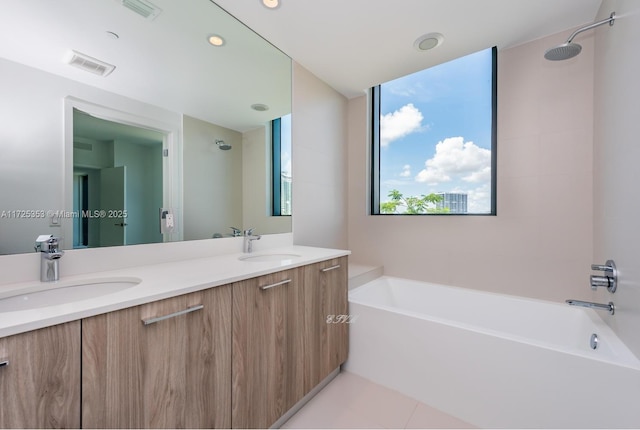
x,y
41,240
53,243
604,267
249,231
610,280
600,281
236,231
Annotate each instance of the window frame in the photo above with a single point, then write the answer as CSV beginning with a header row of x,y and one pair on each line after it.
x,y
375,149
276,168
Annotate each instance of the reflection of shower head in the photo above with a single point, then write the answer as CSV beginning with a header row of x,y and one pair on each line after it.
x,y
569,49
222,145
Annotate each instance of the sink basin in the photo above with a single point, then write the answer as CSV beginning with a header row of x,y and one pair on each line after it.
x,y
261,258
45,294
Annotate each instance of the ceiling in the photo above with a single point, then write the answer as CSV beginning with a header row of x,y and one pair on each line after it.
x,y
355,44
97,129
350,44
165,62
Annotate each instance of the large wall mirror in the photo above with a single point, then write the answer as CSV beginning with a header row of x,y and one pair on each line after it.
x,y
136,121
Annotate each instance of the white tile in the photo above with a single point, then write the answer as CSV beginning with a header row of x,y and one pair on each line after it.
x,y
388,408
352,402
520,197
566,153
341,393
518,156
426,417
328,418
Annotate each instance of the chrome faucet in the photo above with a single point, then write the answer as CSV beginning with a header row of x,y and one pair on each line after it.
x,y
249,237
607,307
50,255
610,278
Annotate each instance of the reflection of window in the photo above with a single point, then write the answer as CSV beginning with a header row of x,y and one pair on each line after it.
x,y
434,139
281,163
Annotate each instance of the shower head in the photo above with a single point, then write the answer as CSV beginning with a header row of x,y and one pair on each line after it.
x,y
563,52
569,49
222,145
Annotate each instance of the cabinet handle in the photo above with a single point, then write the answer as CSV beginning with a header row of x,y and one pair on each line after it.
x,y
150,321
328,269
4,362
266,287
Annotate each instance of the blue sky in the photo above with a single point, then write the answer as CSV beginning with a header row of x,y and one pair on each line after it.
x,y
436,131
285,144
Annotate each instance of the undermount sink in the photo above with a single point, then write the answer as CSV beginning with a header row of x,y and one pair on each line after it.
x,y
261,258
52,294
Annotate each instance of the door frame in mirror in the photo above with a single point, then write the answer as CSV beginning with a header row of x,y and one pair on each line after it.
x,y
171,163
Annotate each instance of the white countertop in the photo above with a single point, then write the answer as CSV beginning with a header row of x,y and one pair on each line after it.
x,y
158,281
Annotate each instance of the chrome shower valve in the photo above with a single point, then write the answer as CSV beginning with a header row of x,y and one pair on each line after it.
x,y
609,280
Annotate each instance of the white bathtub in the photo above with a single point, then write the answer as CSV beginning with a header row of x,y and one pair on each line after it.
x,y
493,360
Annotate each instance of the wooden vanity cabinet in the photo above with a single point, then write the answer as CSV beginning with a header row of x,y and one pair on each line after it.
x,y
327,318
40,385
268,348
172,372
238,355
283,345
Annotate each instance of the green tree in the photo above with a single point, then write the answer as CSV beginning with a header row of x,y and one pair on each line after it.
x,y
414,205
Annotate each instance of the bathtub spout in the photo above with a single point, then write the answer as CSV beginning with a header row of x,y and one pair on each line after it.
x,y
607,307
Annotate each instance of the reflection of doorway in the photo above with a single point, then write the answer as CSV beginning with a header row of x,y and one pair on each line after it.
x,y
118,182
80,205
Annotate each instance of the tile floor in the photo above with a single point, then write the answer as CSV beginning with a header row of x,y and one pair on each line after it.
x,y
350,401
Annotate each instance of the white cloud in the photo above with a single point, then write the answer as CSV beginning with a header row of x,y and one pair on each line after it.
x,y
482,175
286,162
456,159
405,89
395,125
406,171
478,199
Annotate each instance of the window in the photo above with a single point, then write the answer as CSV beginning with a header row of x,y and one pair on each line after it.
x,y
281,165
434,140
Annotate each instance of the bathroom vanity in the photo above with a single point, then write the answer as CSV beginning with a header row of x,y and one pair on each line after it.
x,y
238,351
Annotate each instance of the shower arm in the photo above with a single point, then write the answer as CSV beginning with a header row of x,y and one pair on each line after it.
x,y
609,20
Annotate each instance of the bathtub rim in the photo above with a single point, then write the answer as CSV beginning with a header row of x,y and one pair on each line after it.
x,y
623,356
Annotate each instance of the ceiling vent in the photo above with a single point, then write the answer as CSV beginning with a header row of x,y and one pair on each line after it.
x,y
82,145
143,8
90,64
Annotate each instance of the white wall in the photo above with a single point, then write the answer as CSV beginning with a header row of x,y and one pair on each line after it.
x,y
212,180
616,161
29,93
319,154
540,243
256,185
32,162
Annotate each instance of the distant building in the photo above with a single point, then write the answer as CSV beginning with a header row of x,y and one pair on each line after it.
x,y
285,194
455,202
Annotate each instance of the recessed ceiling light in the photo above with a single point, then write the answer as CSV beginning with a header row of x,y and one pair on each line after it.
x,y
428,41
216,40
260,107
271,4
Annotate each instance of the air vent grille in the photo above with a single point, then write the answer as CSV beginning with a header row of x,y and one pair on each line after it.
x,y
82,145
90,64
143,8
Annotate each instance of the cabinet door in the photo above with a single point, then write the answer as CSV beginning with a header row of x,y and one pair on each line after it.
x,y
40,385
326,319
171,372
268,348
